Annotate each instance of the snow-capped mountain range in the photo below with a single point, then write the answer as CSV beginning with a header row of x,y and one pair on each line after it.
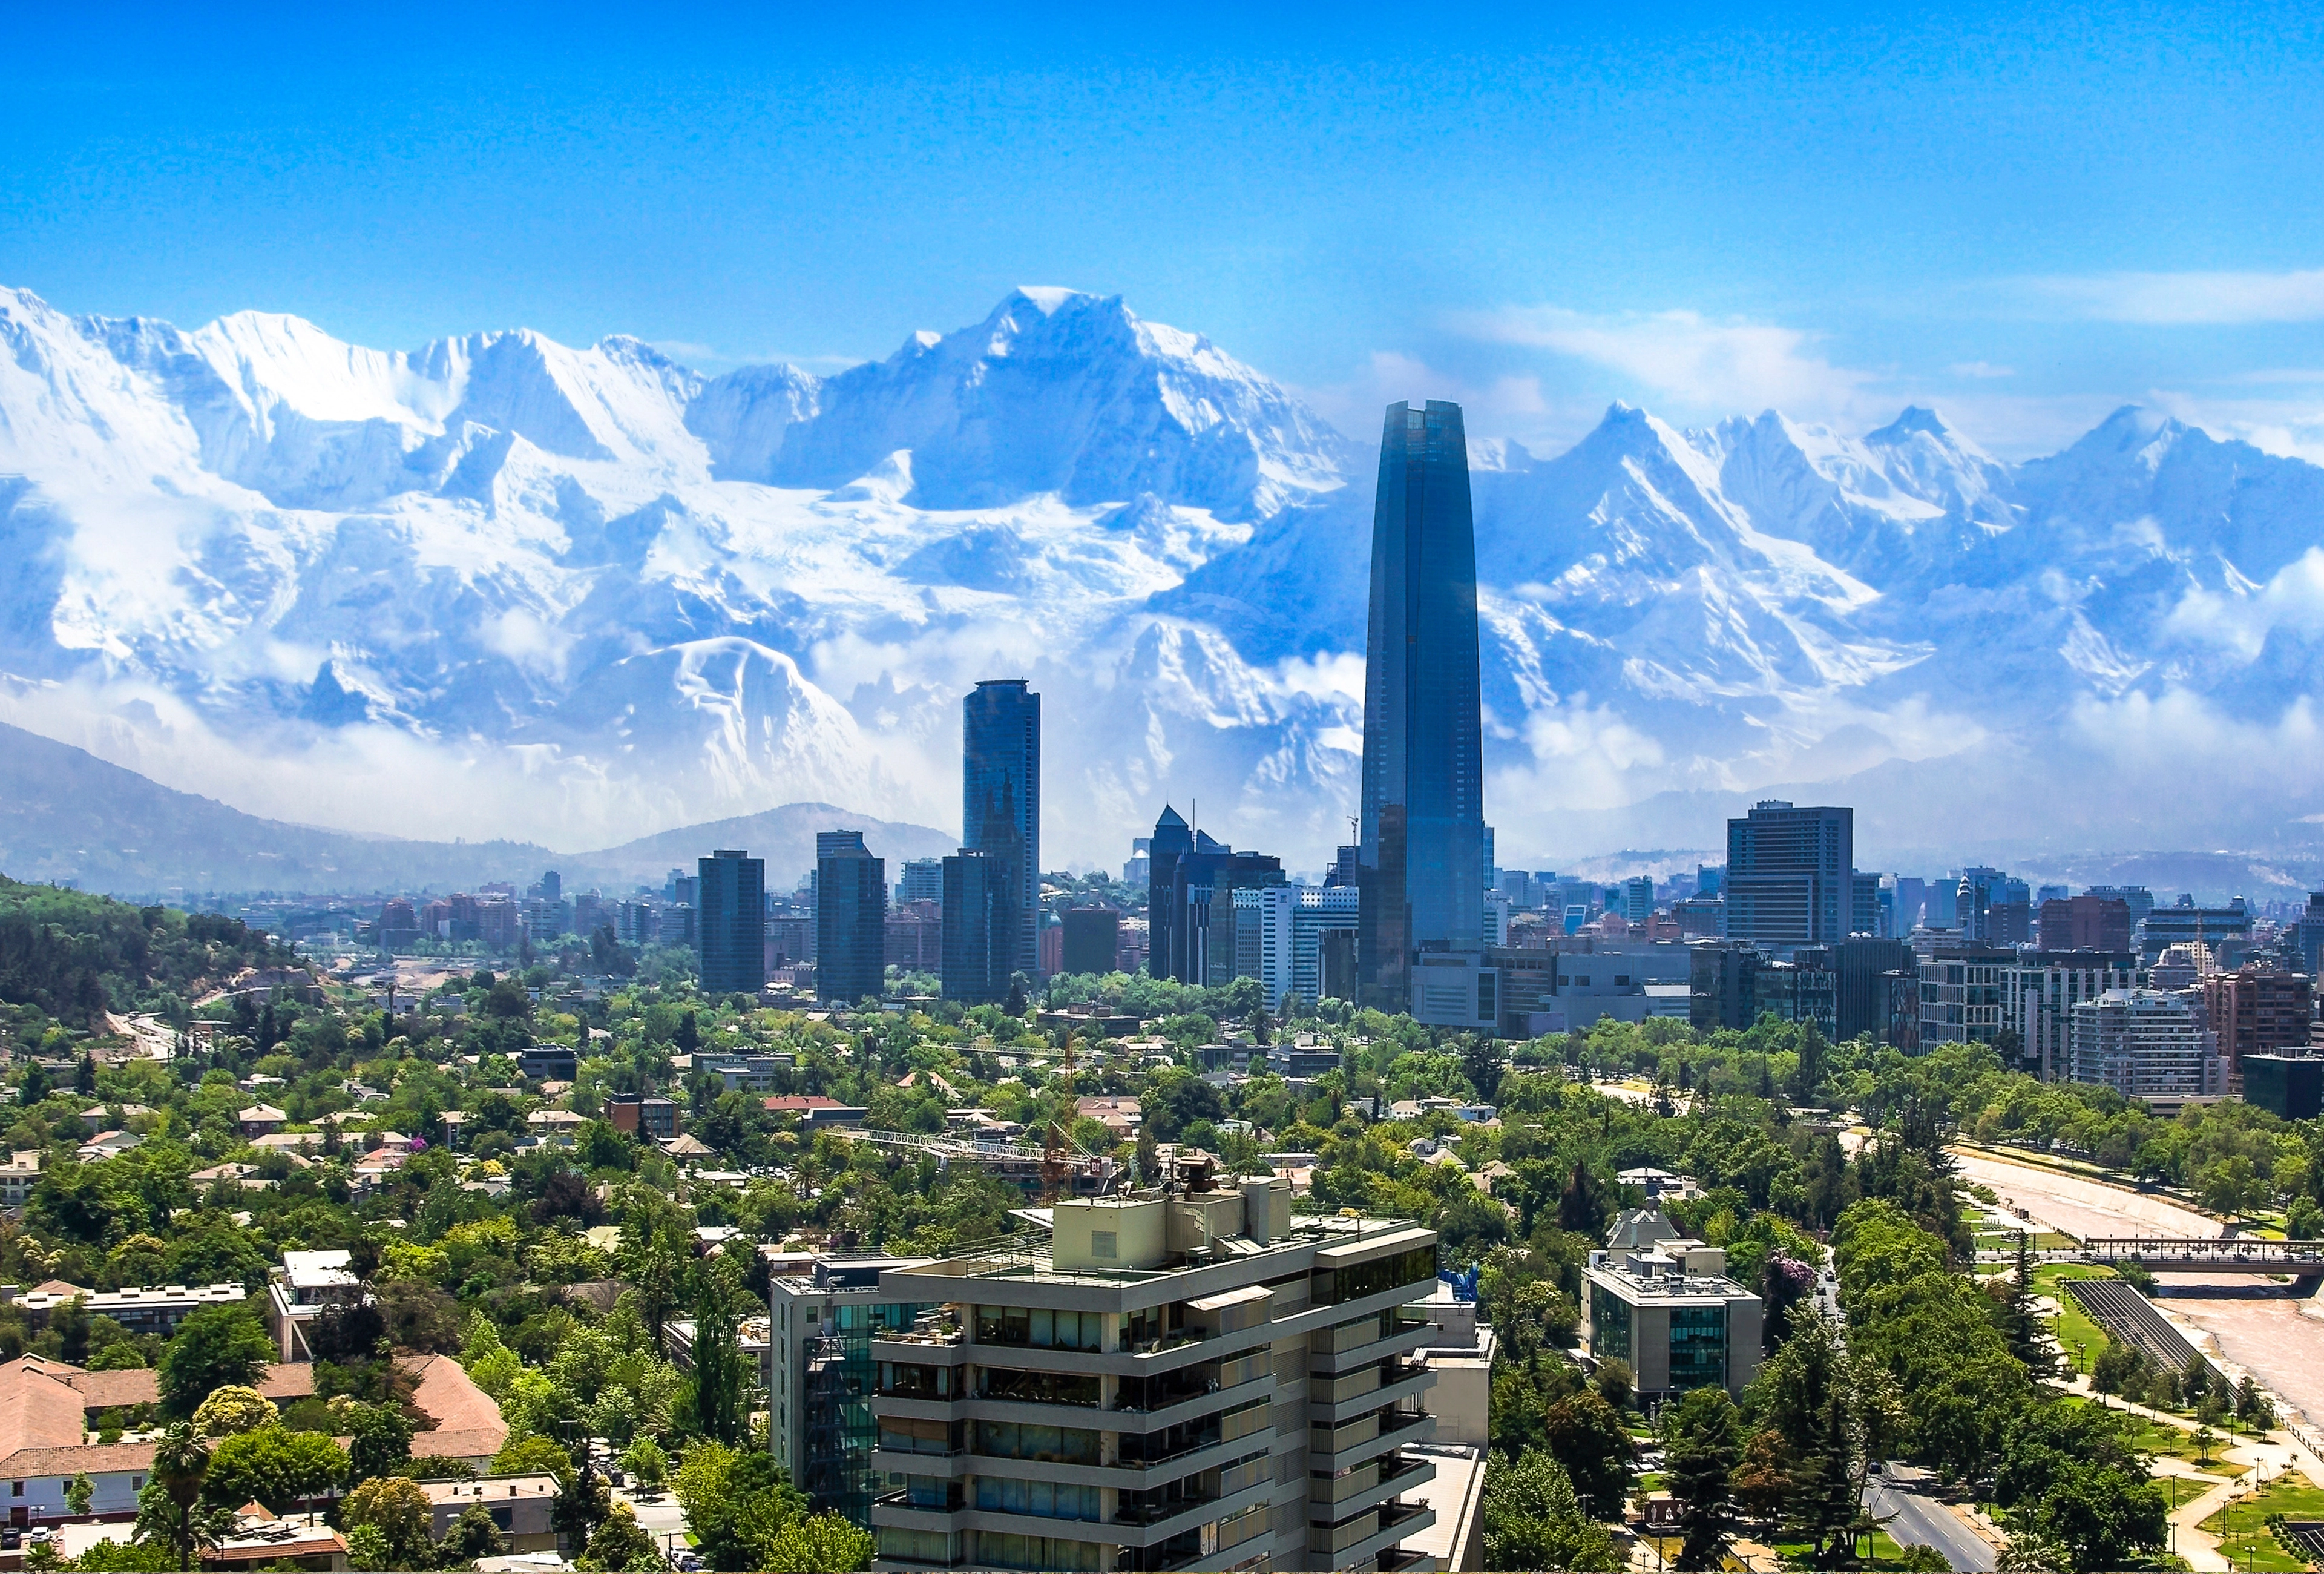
x,y
500,587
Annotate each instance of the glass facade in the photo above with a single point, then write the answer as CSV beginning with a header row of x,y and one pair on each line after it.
x,y
1000,801
978,926
850,918
1423,829
1698,1346
732,931
1609,1325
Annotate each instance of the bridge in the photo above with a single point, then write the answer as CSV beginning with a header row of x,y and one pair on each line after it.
x,y
2213,1255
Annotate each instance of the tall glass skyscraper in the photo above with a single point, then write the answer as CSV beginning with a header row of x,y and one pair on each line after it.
x,y
1000,801
1423,822
733,923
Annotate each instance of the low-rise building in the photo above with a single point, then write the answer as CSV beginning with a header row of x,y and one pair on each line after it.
x,y
1662,1304
299,1291
521,1508
159,1309
261,1120
18,1176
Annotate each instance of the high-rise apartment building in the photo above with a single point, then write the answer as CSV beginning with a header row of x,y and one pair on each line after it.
x,y
2144,1043
2039,994
819,1376
1423,822
1791,874
1639,899
850,918
2085,923
1181,1381
2258,1011
1000,797
731,924
981,919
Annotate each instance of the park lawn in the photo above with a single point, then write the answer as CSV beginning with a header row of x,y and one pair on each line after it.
x,y
2072,1326
1879,1551
2292,1495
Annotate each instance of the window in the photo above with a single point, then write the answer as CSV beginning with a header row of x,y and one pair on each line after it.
x,y
16,1489
1044,1499
1009,1440
995,1551
1698,1346
1040,1328
1102,1243
1609,1325
1357,1280
909,1546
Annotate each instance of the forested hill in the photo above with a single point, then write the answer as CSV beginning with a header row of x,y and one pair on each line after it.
x,y
73,955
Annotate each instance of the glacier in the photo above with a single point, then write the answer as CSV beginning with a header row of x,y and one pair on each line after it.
x,y
500,587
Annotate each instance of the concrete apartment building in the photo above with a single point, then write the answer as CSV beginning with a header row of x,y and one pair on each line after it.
x,y
1179,1379
2147,1043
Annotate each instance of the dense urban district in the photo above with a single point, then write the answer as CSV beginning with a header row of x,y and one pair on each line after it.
x,y
1429,1215
505,1263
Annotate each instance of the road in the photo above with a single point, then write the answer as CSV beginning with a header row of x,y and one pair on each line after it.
x,y
1915,1521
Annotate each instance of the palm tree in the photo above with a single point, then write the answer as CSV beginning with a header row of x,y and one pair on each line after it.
x,y
182,1463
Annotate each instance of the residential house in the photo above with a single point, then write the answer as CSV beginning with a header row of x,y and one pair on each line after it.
x,y
261,1120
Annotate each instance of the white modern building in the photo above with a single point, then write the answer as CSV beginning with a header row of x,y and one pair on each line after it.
x,y
2144,1043
1662,1304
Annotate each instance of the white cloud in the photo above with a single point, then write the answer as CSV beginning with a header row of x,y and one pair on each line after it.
x,y
2208,298
1682,355
2294,598
1502,406
1980,369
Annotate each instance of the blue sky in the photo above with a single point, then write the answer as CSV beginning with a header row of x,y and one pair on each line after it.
x,y
2024,218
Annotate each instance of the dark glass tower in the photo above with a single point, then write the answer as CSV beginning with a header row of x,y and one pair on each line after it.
x,y
1424,822
850,918
1001,801
977,940
733,935
1172,840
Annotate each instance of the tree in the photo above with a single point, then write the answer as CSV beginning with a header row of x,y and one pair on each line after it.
x,y
2021,1323
381,1435
233,1409
2251,1407
818,1544
472,1536
1704,1445
216,1346
1614,1382
397,1507
716,1387
533,1456
1584,1207
79,1491
1586,1436
165,1507
647,1466
1532,1519
273,1466
2103,1517
620,1542
1763,1481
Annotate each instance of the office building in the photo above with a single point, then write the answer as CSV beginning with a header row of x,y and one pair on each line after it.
x,y
2304,934
1662,1304
1000,797
1422,823
922,880
2258,1011
2185,924
1864,904
2138,899
1139,869
1790,875
822,1315
2039,994
1639,899
2289,1086
1092,938
1199,910
980,918
2146,1044
638,1116
1841,986
1171,840
1181,1381
2085,923
1325,915
851,918
731,924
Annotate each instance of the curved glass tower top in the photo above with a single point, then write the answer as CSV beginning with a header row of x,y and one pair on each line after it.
x,y
1423,769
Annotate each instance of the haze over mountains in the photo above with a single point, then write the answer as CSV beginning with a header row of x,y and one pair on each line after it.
x,y
498,587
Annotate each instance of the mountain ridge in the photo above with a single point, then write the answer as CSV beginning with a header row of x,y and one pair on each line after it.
x,y
533,586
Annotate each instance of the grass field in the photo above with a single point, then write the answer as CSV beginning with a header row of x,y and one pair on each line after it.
x,y
2242,1527
2072,1326
1878,1551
